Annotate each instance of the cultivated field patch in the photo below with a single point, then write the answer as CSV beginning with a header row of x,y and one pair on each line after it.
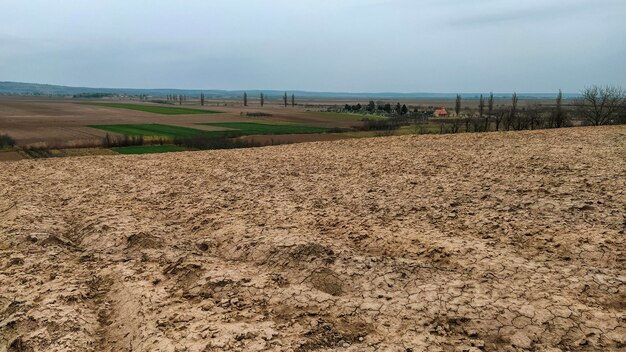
x,y
151,130
163,110
233,128
250,128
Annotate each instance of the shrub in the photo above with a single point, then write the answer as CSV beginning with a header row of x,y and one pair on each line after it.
x,y
38,150
258,114
213,142
125,141
39,153
336,130
6,141
387,124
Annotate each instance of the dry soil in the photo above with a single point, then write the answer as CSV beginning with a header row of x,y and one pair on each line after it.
x,y
497,242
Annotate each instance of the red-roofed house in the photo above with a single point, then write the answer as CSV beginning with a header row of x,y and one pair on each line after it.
x,y
441,112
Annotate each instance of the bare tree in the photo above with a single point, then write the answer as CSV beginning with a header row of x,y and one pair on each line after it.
x,y
245,99
477,125
489,111
456,125
524,118
509,119
500,115
481,106
600,104
293,100
481,109
536,116
622,113
262,99
180,99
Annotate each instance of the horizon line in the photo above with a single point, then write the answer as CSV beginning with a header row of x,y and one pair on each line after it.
x,y
200,90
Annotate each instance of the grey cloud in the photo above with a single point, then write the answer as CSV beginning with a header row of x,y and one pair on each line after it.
x,y
523,13
350,45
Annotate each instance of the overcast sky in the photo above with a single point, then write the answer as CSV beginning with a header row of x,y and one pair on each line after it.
x,y
323,45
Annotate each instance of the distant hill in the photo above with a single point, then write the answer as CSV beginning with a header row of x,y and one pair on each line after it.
x,y
35,89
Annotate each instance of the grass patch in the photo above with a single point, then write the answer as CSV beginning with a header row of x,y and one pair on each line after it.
x,y
250,128
424,128
151,130
149,149
163,110
340,116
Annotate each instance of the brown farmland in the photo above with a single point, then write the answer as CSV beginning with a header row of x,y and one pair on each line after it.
x,y
64,122
496,242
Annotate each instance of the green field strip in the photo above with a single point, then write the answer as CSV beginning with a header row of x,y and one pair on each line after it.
x,y
153,130
251,128
163,110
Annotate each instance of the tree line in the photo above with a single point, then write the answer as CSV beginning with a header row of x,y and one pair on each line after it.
x,y
596,105
372,107
262,99
180,99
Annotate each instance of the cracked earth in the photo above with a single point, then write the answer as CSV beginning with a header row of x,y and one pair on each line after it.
x,y
472,242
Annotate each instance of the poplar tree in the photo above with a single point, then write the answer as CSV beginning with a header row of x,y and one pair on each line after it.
x,y
559,114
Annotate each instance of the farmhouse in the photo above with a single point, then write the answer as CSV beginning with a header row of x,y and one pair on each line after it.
x,y
441,112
